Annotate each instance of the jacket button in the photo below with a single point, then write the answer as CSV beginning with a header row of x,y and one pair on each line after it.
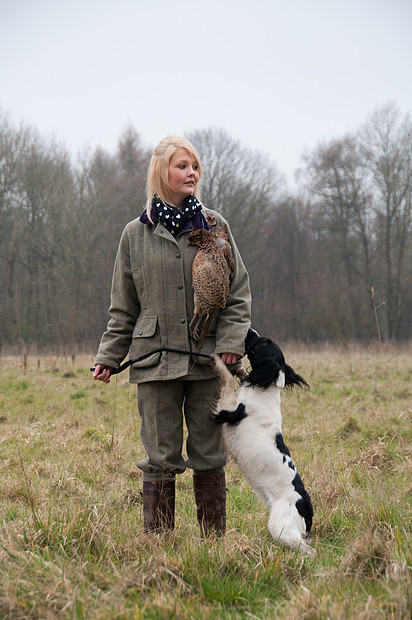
x,y
183,321
178,255
140,333
180,287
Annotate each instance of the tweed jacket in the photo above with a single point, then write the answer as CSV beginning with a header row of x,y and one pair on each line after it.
x,y
152,304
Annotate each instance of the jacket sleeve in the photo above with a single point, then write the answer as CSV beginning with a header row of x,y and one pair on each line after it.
x,y
234,319
124,309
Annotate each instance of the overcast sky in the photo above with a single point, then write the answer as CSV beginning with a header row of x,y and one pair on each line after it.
x,y
279,75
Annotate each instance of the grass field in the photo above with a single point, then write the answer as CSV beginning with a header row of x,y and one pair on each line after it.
x,y
71,541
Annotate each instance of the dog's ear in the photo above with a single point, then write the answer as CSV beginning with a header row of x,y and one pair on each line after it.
x,y
264,374
292,378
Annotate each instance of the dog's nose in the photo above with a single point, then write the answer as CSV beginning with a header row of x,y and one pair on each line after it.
x,y
252,332
251,339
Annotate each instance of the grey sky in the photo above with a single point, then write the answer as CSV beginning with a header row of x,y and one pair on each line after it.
x,y
278,75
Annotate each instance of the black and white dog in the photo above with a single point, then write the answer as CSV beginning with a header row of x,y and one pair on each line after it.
x,y
252,432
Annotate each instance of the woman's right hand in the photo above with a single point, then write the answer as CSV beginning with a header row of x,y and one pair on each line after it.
x,y
102,373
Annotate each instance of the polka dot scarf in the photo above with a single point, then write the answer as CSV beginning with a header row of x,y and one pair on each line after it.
x,y
172,218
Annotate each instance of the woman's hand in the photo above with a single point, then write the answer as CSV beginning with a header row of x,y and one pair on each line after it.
x,y
102,373
230,358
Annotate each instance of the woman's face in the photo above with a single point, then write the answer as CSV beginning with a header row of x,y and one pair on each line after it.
x,y
183,175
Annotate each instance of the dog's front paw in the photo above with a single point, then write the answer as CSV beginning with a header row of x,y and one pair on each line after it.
x,y
306,550
233,417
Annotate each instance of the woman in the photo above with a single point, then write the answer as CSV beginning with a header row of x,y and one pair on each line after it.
x,y
151,307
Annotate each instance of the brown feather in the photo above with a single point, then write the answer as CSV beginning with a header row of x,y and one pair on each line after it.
x,y
212,270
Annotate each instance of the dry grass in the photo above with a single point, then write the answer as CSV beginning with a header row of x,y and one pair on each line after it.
x,y
71,542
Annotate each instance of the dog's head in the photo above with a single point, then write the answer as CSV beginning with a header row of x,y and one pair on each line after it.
x,y
268,364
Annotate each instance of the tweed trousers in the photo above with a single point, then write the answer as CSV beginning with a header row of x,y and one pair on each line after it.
x,y
164,406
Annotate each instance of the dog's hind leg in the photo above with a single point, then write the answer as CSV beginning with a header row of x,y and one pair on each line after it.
x,y
286,533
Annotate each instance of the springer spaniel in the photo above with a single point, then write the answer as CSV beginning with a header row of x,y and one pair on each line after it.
x,y
252,430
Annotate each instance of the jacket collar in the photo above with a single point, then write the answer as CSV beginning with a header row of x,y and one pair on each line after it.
x,y
199,220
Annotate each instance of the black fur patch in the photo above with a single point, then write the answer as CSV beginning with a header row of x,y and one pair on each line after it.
x,y
280,444
303,505
231,417
292,465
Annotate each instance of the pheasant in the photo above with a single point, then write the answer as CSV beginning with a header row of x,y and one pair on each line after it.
x,y
212,271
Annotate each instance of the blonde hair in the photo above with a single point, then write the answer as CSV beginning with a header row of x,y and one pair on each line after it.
x,y
158,173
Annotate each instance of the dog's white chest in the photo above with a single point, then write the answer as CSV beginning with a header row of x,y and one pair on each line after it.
x,y
263,407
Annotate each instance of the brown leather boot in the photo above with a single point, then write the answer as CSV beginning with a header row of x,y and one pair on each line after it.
x,y
158,505
210,495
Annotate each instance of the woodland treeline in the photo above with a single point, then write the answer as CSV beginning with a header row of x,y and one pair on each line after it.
x,y
330,261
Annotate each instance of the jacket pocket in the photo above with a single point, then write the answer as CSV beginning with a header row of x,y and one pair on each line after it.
x,y
146,338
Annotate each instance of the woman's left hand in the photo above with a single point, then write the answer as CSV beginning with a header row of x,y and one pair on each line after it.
x,y
230,358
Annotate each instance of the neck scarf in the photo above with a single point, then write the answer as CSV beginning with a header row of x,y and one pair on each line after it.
x,y
172,218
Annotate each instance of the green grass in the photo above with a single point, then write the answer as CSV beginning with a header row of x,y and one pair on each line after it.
x,y
71,541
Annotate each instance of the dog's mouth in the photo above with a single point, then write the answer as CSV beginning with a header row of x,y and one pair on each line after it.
x,y
261,350
262,353
251,340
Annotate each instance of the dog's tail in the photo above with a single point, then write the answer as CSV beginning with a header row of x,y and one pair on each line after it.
x,y
227,396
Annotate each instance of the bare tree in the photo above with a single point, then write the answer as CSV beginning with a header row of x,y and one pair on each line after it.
x,y
247,189
111,192
239,183
337,179
387,144
12,144
34,178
